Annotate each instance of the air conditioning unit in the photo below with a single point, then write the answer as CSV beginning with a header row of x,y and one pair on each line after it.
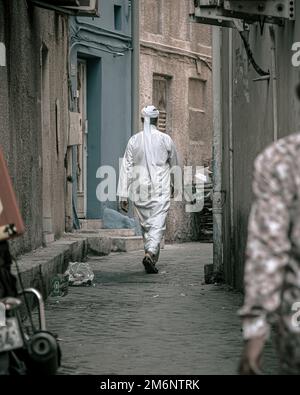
x,y
64,2
211,12
264,8
71,7
224,12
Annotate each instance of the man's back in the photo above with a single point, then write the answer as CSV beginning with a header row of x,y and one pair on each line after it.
x,y
162,148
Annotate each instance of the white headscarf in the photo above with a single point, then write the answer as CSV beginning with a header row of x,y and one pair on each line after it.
x,y
148,113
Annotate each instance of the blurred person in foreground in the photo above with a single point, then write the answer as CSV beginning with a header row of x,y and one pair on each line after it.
x,y
272,271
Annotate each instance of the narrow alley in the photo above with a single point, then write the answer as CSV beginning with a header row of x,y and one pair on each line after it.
x,y
132,323
126,125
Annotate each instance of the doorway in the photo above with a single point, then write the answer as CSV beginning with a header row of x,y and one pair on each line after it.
x,y
82,147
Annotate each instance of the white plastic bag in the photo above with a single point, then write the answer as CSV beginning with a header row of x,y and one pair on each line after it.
x,y
80,273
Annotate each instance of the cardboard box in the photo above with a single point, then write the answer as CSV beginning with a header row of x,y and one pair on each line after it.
x,y
11,223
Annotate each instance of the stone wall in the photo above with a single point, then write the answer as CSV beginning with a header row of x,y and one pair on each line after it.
x,y
34,114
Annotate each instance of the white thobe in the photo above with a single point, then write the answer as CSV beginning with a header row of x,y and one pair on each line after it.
x,y
148,184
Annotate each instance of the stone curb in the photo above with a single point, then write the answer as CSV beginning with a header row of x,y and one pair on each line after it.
x,y
39,267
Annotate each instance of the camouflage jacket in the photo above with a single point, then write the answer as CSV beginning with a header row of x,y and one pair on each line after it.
x,y
272,271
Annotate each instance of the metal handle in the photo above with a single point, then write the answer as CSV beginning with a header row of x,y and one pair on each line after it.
x,y
39,297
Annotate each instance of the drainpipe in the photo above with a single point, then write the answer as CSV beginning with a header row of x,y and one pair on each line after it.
x,y
135,78
231,153
274,84
217,155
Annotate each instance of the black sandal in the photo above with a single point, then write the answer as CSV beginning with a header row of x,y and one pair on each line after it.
x,y
149,265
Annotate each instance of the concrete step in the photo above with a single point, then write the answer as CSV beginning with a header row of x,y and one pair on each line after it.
x,y
108,232
100,244
38,267
91,224
48,238
126,244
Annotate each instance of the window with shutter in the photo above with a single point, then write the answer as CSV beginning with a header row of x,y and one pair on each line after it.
x,y
198,119
160,99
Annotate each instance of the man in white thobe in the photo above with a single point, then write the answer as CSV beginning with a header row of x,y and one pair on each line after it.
x,y
145,179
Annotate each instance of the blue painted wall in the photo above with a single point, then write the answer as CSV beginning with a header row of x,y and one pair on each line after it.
x,y
108,54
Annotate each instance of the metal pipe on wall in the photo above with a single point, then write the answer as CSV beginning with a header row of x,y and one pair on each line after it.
x,y
217,153
230,117
274,84
135,69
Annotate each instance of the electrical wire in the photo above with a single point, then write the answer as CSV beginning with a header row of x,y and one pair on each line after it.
x,y
256,67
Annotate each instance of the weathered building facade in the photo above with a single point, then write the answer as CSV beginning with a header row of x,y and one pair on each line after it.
x,y
65,107
34,115
175,75
100,103
37,122
251,111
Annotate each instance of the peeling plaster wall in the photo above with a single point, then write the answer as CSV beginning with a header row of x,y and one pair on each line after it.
x,y
24,29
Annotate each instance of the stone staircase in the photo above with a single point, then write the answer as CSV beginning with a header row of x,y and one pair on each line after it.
x,y
120,240
127,243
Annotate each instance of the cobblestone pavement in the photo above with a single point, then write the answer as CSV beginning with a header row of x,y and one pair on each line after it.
x,y
134,323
